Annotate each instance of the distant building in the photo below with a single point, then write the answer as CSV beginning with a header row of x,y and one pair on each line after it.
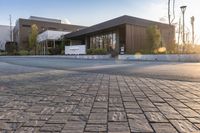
x,y
126,33
22,28
4,36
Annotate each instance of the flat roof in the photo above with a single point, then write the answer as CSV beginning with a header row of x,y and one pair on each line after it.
x,y
45,19
113,23
45,22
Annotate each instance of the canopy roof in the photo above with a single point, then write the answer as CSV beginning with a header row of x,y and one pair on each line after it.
x,y
51,35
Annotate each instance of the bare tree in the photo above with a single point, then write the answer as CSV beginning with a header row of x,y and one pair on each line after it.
x,y
171,18
192,23
169,11
179,30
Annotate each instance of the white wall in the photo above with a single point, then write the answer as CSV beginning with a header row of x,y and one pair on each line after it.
x,y
4,36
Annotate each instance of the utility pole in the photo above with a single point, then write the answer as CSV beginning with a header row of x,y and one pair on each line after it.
x,y
192,23
11,32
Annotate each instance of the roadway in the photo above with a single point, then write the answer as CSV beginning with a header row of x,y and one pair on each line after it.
x,y
160,70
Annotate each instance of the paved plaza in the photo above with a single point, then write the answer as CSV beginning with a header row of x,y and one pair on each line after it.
x,y
38,99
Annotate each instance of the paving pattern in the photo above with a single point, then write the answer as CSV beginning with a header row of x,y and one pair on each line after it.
x,y
77,102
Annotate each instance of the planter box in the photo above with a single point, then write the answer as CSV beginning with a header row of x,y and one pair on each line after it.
x,y
166,57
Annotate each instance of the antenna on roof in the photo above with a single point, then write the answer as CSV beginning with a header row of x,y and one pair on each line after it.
x,y
11,33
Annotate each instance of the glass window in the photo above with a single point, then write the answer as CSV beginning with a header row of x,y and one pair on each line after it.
x,y
107,41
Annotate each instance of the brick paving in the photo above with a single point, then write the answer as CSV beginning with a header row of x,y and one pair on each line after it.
x,y
77,102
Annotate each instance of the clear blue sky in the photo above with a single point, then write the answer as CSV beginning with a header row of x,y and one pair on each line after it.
x,y
90,12
86,12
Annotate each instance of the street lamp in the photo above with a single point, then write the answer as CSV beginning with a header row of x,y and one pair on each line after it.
x,y
183,8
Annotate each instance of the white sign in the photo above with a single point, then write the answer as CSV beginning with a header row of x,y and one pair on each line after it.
x,y
75,50
122,50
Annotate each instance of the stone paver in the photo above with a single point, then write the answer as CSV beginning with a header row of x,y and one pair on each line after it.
x,y
139,123
96,128
77,102
163,128
155,117
118,127
184,126
117,116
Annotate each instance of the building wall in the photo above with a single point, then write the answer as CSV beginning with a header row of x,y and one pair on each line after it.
x,y
131,34
23,28
4,36
132,37
136,37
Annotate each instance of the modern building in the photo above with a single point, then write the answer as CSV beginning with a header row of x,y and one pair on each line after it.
x,y
22,28
5,36
126,32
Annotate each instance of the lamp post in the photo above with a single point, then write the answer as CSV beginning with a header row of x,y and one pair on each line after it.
x,y
183,8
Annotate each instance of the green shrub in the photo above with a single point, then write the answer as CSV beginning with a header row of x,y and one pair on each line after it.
x,y
55,51
23,52
2,53
98,51
90,51
11,48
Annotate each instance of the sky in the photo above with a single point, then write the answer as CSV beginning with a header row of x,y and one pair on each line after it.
x,y
90,12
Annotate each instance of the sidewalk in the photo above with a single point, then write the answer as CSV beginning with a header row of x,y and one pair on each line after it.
x,y
73,102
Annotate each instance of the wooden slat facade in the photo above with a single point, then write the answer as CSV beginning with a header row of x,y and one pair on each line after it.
x,y
136,38
132,33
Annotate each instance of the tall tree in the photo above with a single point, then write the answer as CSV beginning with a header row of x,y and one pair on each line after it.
x,y
33,38
154,37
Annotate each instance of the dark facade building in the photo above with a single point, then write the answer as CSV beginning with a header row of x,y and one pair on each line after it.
x,y
22,28
124,32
